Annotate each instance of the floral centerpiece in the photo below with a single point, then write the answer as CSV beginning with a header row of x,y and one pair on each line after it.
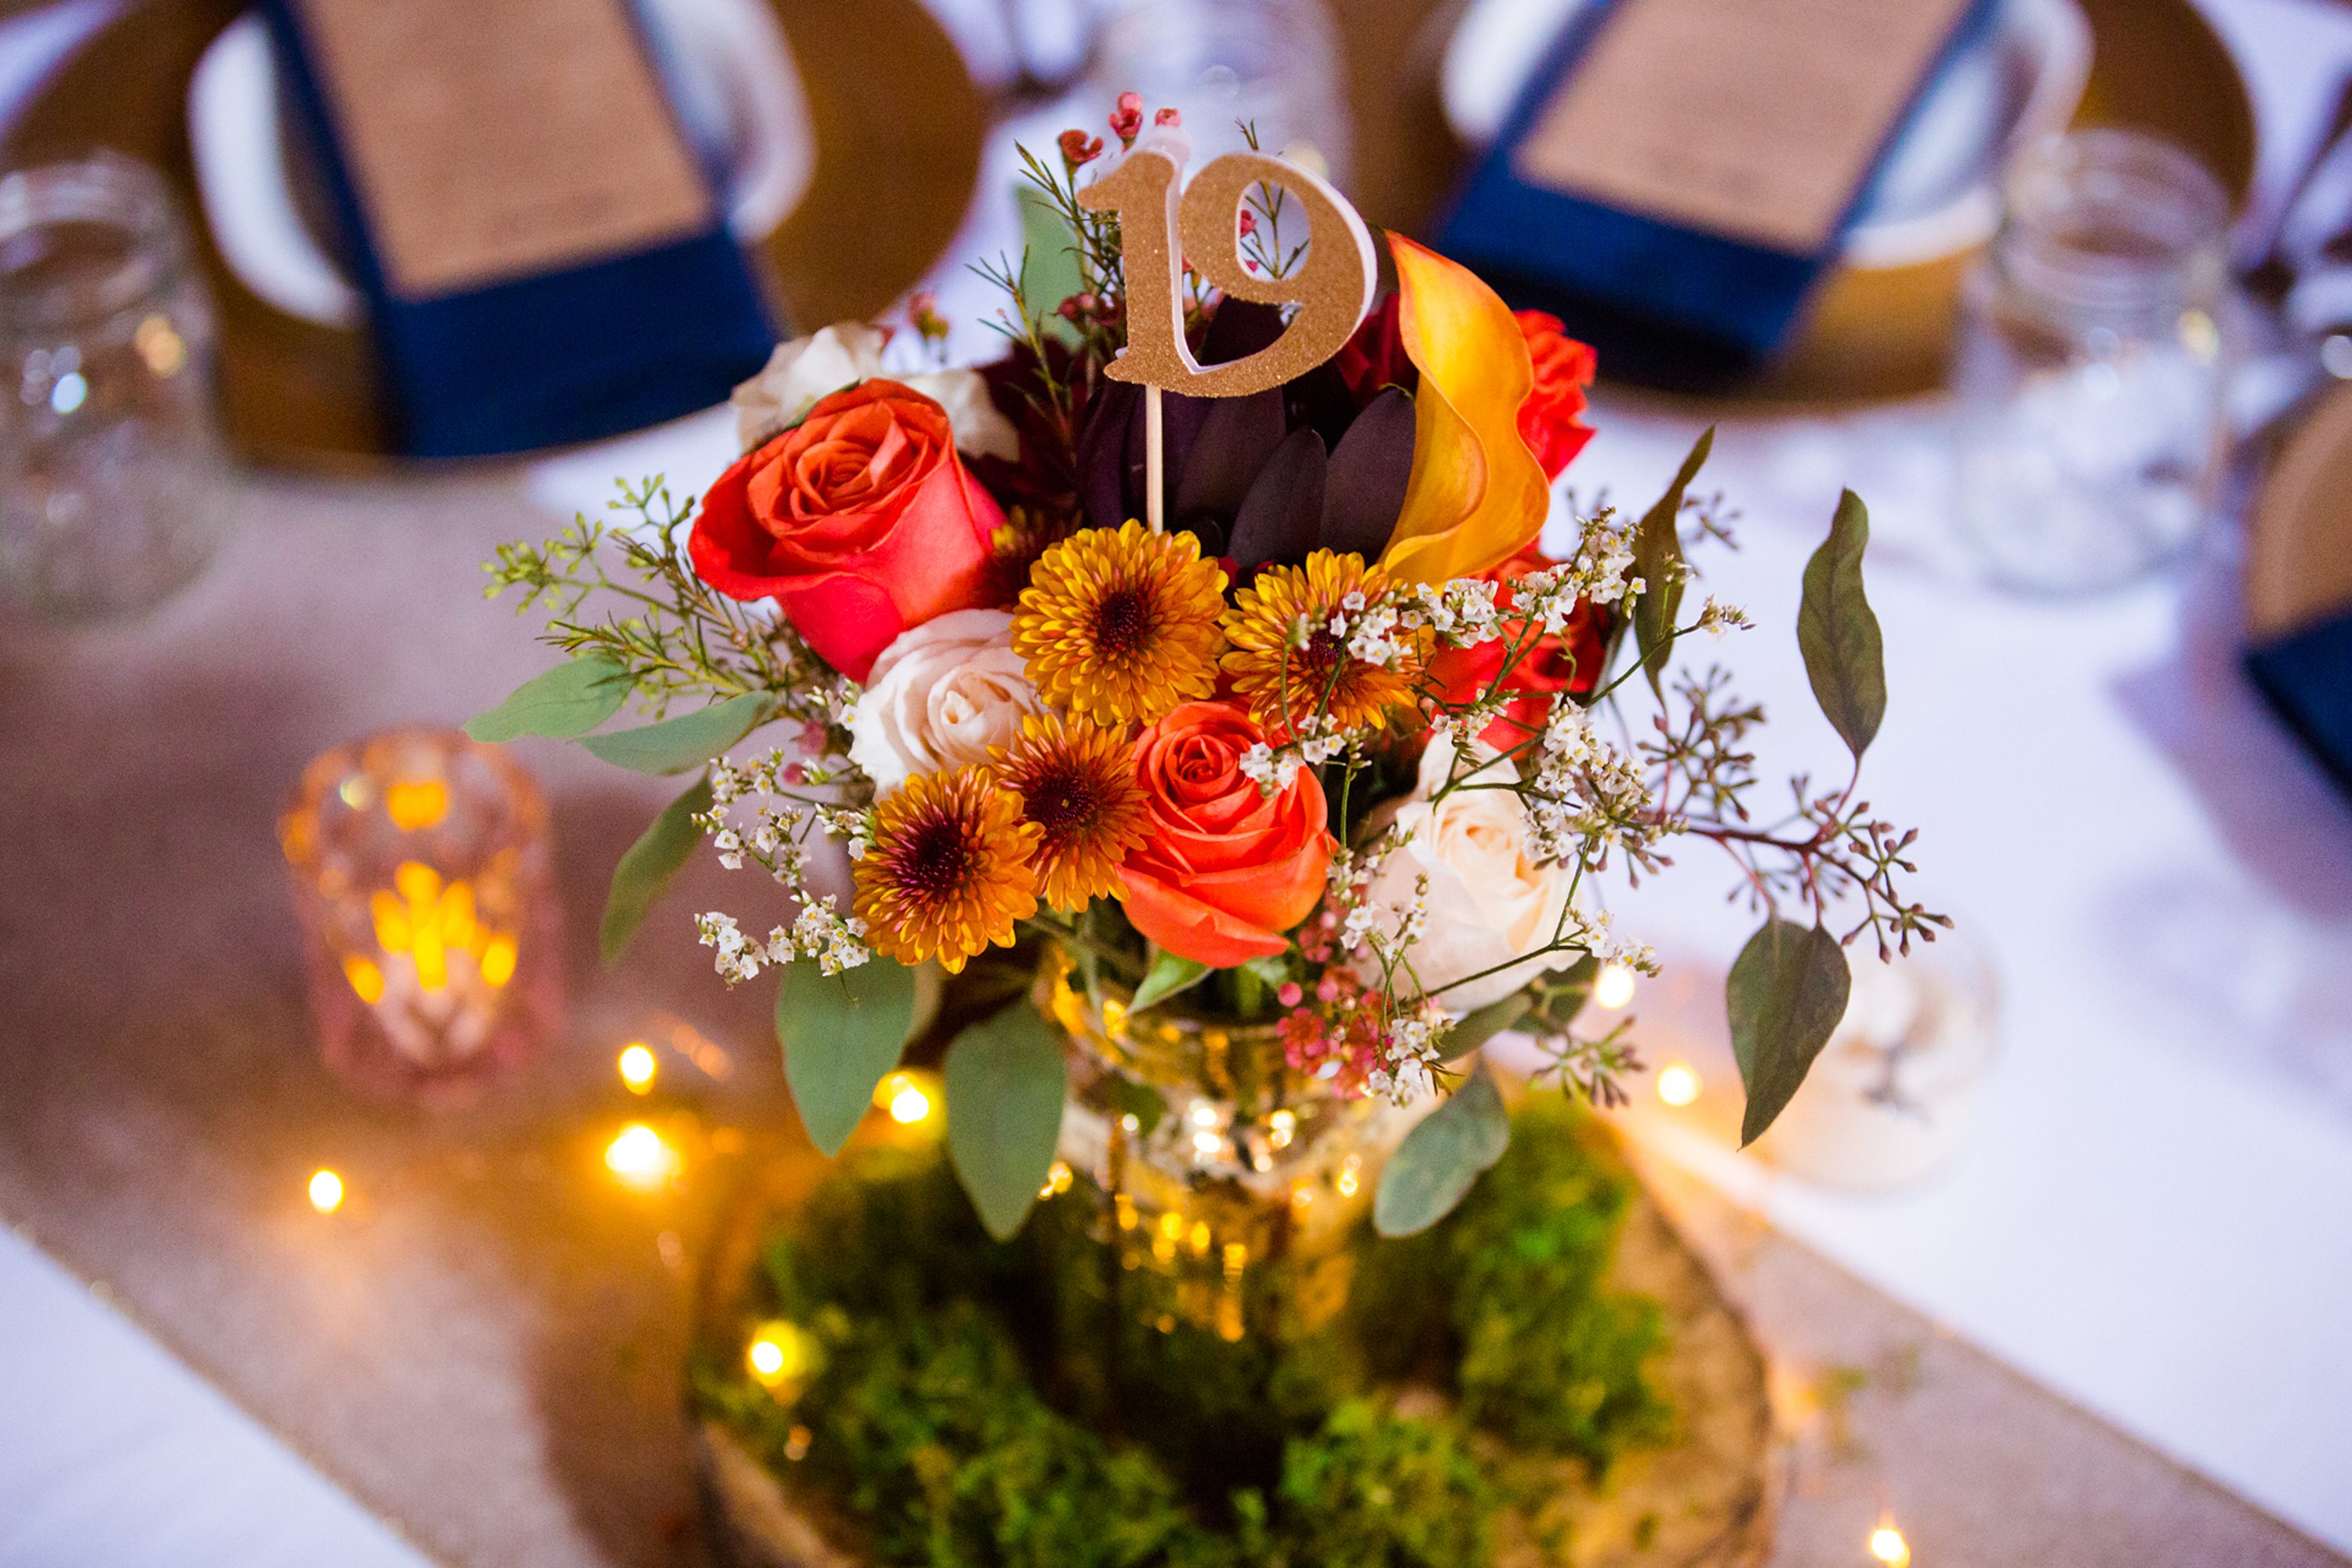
x,y
1217,773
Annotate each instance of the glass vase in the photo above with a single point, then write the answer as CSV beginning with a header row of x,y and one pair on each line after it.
x,y
1233,1179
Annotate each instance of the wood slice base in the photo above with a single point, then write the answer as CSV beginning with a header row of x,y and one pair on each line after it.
x,y
1705,1500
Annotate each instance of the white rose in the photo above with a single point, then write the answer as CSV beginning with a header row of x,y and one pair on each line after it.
x,y
1490,900
939,697
806,369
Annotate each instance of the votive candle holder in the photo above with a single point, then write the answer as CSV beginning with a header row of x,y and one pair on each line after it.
x,y
432,934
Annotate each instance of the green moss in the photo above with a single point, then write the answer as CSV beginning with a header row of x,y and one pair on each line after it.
x,y
986,1406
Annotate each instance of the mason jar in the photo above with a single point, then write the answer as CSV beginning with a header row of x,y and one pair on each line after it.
x,y
2091,365
112,492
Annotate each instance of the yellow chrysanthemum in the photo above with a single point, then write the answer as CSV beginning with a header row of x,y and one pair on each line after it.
x,y
950,869
1121,626
1076,784
1283,655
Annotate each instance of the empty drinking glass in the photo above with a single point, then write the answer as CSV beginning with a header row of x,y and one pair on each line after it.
x,y
111,487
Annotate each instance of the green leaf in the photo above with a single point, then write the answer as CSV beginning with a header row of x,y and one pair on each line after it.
x,y
1485,1024
1839,632
1005,1083
570,700
841,1033
1441,1158
1138,1101
1787,993
647,867
1049,263
1561,993
688,741
1657,561
1168,976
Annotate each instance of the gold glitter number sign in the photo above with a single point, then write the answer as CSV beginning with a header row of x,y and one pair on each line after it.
x,y
1333,289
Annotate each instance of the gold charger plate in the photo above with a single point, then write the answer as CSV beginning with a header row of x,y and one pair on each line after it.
x,y
2156,65
898,123
2299,544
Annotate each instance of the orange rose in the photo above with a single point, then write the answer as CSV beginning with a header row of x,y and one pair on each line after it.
x,y
859,522
1224,870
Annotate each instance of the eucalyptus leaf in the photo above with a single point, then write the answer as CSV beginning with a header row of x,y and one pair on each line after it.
x,y
1561,993
566,702
1138,1101
1169,974
1441,1158
1005,1082
1274,968
647,867
1049,264
841,1033
1787,993
1657,561
1484,1024
1838,631
688,741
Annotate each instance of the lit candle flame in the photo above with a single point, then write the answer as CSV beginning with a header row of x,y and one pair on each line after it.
x,y
1886,1545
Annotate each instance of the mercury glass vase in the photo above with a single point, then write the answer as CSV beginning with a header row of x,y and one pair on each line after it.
x,y
1233,1179
431,930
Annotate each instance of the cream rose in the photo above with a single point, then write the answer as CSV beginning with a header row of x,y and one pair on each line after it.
x,y
1490,900
806,369
940,696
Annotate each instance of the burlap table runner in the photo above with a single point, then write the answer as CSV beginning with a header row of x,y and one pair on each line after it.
x,y
484,1345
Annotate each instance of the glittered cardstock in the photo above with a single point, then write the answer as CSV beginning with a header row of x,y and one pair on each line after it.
x,y
492,142
1754,120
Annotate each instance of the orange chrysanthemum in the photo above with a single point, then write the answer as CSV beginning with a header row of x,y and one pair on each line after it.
x,y
1076,784
950,869
1121,626
1274,670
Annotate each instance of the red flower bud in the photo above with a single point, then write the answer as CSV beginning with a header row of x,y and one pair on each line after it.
x,y
1126,120
1249,223
923,310
1079,148
1168,117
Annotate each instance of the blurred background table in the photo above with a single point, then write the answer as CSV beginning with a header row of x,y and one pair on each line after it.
x,y
481,1348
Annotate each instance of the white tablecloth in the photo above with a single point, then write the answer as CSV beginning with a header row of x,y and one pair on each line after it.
x,y
2151,1219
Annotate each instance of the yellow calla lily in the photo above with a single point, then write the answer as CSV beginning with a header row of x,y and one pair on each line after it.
x,y
1475,494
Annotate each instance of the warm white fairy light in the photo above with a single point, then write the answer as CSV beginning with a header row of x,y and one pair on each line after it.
x,y
640,1157
905,1097
638,1068
326,1192
1613,986
1888,1545
1677,1084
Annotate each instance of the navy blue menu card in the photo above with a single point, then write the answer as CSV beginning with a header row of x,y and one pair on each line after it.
x,y
1678,172
545,257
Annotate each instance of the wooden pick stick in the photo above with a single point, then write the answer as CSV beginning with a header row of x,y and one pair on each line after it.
x,y
1154,461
